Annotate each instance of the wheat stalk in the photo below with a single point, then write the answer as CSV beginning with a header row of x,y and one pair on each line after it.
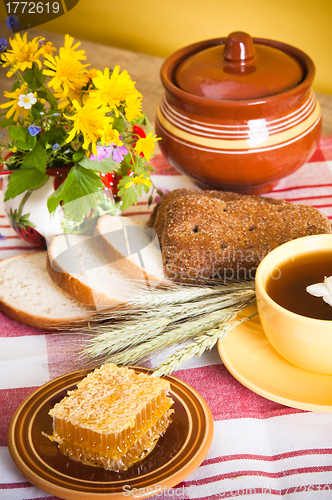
x,y
180,294
164,340
196,348
158,319
136,331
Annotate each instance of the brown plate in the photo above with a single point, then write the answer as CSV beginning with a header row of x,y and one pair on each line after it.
x,y
178,453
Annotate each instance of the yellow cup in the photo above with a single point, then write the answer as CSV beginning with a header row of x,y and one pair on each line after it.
x,y
304,342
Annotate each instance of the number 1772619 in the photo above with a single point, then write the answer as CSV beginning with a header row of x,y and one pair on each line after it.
x,y
32,7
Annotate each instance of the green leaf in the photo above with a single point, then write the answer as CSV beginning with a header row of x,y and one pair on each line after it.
x,y
24,180
18,133
106,165
128,195
16,85
78,156
149,127
36,158
81,185
34,78
118,124
28,76
28,144
52,136
6,122
141,120
23,140
42,94
139,189
38,74
36,109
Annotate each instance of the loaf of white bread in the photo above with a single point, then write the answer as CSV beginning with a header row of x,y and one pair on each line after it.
x,y
190,235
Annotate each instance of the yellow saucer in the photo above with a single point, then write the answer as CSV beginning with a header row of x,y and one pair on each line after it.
x,y
250,358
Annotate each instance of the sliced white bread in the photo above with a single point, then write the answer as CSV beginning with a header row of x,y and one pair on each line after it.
x,y
28,295
132,247
76,265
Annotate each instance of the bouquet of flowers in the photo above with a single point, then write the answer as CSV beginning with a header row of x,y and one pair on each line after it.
x,y
62,114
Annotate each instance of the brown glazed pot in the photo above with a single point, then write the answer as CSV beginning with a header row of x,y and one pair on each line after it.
x,y
238,113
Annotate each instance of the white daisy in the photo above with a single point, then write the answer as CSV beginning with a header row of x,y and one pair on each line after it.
x,y
26,101
322,290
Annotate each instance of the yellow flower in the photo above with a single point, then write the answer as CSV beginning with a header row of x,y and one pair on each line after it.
x,y
79,92
91,74
88,120
140,179
73,94
15,109
146,145
133,109
110,135
47,48
23,54
66,69
114,90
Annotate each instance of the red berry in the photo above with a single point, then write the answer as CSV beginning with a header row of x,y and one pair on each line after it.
x,y
139,131
30,235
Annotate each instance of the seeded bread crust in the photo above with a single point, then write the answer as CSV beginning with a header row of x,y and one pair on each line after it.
x,y
223,235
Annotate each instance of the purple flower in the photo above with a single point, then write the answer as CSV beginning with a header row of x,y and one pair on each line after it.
x,y
101,153
12,22
2,237
3,44
34,130
117,153
55,146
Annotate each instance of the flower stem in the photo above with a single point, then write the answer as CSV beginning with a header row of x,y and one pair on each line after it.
x,y
23,201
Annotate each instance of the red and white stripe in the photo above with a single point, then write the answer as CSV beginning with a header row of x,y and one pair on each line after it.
x,y
260,450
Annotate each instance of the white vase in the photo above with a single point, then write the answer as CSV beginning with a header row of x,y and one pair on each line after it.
x,y
28,214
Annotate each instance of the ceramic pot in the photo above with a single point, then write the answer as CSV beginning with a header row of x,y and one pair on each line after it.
x,y
28,212
238,113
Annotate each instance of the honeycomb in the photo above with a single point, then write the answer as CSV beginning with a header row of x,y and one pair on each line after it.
x,y
113,418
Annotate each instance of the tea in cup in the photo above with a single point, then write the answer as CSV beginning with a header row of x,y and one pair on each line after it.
x,y
297,323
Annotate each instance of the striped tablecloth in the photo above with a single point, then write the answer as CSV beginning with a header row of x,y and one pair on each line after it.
x,y
260,449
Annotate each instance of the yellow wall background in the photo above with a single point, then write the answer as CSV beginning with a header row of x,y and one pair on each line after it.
x,y
159,27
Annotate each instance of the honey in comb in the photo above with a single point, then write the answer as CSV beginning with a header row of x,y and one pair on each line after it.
x,y
113,418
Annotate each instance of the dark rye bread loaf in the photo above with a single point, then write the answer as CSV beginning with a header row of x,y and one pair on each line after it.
x,y
222,235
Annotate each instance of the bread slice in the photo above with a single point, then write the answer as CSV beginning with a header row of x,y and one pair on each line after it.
x,y
75,264
220,235
130,411
132,247
28,295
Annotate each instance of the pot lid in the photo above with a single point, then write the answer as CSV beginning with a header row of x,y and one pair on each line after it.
x,y
240,68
